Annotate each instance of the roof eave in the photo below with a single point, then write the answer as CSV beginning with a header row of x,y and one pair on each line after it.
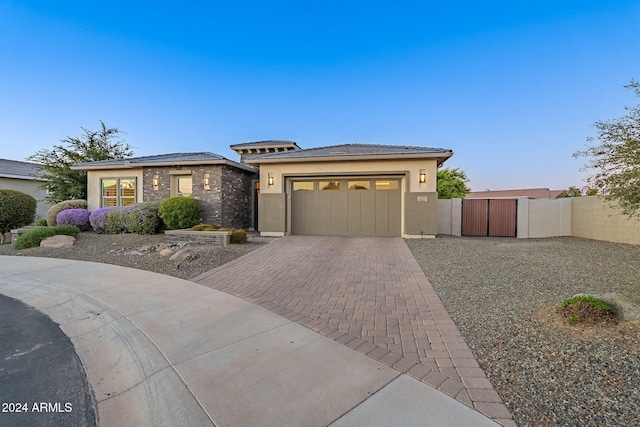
x,y
440,157
135,165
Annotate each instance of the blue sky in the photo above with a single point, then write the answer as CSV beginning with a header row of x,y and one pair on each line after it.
x,y
513,88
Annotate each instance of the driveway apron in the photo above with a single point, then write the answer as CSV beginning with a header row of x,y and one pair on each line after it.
x,y
370,295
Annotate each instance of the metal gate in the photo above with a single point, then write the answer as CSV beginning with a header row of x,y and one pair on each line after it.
x,y
489,217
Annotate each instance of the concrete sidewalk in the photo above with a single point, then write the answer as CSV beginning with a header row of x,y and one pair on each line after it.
x,y
163,351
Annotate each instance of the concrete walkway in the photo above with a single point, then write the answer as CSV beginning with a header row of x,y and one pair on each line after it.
x,y
163,351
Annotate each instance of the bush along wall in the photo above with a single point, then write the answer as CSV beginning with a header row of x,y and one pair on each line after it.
x,y
180,212
52,213
77,217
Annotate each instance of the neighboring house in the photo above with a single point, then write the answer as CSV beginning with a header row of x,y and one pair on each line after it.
x,y
280,189
23,176
530,193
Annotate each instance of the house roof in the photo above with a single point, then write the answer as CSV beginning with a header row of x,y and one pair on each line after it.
x,y
353,152
531,193
266,144
19,170
173,159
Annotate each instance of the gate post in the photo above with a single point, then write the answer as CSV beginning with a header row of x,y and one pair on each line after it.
x,y
456,217
522,228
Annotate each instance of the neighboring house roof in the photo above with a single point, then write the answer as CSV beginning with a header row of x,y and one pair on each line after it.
x,y
353,152
174,159
531,193
19,170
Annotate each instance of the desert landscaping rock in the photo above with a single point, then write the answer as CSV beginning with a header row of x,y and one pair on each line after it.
x,y
503,293
166,252
126,250
59,241
184,255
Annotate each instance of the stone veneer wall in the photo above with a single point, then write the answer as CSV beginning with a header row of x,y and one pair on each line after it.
x,y
236,197
227,201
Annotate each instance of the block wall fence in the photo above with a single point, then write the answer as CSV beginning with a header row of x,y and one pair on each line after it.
x,y
588,217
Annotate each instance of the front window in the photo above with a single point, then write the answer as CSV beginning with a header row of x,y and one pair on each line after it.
x,y
118,192
185,186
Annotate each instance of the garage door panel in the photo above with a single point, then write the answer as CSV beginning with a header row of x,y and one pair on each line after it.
x,y
360,217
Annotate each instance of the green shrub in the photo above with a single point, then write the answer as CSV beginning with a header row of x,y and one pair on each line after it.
x,y
113,221
33,238
54,210
577,300
180,212
206,227
42,222
141,218
238,235
17,209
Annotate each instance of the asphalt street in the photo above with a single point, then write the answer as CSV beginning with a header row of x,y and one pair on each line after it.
x,y
42,381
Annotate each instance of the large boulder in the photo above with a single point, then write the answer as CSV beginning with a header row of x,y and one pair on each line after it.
x,y
59,241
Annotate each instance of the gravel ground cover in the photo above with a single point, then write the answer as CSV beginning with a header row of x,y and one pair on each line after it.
x,y
138,251
502,294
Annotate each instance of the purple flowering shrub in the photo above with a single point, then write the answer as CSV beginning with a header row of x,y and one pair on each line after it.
x,y
106,220
77,217
141,218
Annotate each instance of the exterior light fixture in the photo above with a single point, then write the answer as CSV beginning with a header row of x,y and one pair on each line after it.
x,y
423,176
155,181
206,181
270,179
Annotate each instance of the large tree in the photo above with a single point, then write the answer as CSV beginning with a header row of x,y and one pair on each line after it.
x,y
62,183
452,183
614,155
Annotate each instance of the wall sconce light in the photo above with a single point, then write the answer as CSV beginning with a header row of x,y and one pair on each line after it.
x,y
423,176
270,179
206,181
155,181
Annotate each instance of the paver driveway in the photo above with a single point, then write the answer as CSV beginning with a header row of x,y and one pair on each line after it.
x,y
369,294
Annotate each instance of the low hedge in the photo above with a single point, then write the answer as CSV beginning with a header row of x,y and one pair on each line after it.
x,y
33,238
52,213
77,217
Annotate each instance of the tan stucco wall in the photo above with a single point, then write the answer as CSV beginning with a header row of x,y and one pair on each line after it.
x,y
594,218
94,191
29,187
425,212
272,209
411,167
420,214
548,217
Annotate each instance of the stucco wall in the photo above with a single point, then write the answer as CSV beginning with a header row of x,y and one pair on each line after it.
x,y
29,187
410,168
544,218
94,191
450,217
594,218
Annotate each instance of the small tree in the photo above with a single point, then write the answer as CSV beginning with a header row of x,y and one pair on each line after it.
x,y
574,191
17,209
62,182
616,158
452,183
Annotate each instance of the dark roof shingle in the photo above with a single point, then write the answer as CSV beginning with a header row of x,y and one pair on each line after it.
x,y
16,169
352,150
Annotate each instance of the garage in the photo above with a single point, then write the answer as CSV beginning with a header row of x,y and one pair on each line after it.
x,y
347,189
354,206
